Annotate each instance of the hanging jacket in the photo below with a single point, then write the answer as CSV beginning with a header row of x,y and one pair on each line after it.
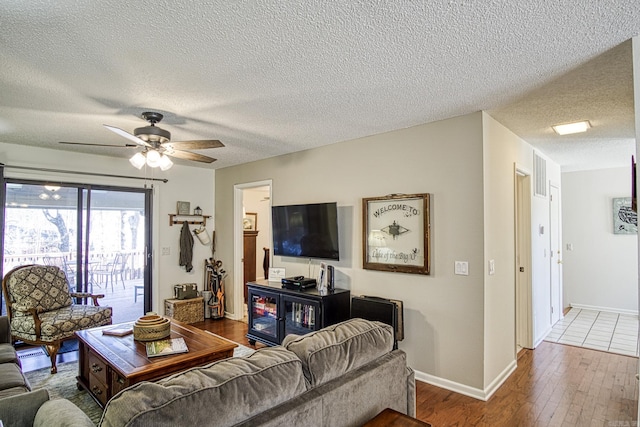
x,y
186,247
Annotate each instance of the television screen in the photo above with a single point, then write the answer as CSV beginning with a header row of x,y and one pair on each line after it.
x,y
307,231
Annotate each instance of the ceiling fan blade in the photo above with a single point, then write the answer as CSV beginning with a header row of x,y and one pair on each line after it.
x,y
97,145
127,135
186,155
194,145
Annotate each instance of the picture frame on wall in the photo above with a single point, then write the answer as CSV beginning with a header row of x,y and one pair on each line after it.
x,y
250,221
183,208
397,233
625,219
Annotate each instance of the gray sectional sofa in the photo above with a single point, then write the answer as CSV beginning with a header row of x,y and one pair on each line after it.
x,y
342,375
19,406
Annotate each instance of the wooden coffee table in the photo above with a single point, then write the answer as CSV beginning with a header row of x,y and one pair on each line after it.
x,y
108,364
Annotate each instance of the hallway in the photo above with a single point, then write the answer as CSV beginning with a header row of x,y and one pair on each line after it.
x,y
598,330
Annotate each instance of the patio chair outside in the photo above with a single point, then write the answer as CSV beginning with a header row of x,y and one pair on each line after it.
x,y
111,271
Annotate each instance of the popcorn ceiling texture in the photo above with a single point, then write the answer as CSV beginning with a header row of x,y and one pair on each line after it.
x,y
271,77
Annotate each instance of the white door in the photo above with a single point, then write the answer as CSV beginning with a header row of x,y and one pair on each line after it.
x,y
524,320
555,259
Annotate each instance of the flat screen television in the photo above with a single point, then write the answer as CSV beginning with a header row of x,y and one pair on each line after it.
x,y
306,231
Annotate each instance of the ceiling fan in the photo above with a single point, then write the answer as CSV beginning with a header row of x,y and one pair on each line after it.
x,y
157,144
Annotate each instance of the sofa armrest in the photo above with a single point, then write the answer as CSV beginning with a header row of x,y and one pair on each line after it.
x,y
5,330
21,409
61,413
411,392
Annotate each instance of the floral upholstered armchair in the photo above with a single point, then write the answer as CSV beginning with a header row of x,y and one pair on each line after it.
x,y
41,309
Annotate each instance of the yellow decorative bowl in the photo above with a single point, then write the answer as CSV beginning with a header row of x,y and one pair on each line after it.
x,y
151,328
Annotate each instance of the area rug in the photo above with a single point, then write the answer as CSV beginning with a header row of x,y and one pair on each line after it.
x,y
63,384
66,347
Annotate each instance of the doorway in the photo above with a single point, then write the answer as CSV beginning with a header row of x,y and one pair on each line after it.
x,y
97,235
555,259
524,309
252,232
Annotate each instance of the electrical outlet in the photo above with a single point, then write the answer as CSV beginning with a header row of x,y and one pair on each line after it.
x,y
166,251
462,268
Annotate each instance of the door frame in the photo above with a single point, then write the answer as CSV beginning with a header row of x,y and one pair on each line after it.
x,y
523,280
555,233
238,239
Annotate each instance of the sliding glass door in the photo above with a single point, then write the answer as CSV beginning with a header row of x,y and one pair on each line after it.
x,y
98,235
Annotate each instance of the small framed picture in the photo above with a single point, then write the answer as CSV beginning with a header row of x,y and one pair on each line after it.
x,y
276,274
250,221
184,208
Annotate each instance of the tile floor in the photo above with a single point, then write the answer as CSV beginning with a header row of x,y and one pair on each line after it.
x,y
599,330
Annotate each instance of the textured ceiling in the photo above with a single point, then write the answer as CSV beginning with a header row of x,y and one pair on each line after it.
x,y
269,77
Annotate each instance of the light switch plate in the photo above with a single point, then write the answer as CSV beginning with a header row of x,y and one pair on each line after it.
x,y
492,267
166,251
462,268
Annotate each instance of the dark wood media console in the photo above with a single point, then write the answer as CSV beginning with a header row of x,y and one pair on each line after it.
x,y
275,312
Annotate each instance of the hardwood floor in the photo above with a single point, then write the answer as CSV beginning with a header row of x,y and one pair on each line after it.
x,y
553,385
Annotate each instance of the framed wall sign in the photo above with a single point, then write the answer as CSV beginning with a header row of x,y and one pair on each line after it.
x,y
396,233
625,219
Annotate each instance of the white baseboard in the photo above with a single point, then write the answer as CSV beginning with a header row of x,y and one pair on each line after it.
x,y
476,393
607,309
231,316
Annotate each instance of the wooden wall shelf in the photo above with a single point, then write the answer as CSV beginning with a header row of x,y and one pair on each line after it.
x,y
191,219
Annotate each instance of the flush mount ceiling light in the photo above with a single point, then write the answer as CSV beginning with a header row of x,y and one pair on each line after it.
x,y
151,158
569,128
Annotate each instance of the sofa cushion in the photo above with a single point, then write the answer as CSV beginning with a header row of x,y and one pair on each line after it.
x,y
11,379
61,413
335,350
222,393
8,354
21,409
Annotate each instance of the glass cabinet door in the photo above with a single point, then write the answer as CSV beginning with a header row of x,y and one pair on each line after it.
x,y
263,317
300,316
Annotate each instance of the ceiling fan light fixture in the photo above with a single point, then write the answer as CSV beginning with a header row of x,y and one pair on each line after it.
x,y
165,163
138,160
153,158
570,128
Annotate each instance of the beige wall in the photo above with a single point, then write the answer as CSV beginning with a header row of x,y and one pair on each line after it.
x,y
500,150
459,330
443,312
